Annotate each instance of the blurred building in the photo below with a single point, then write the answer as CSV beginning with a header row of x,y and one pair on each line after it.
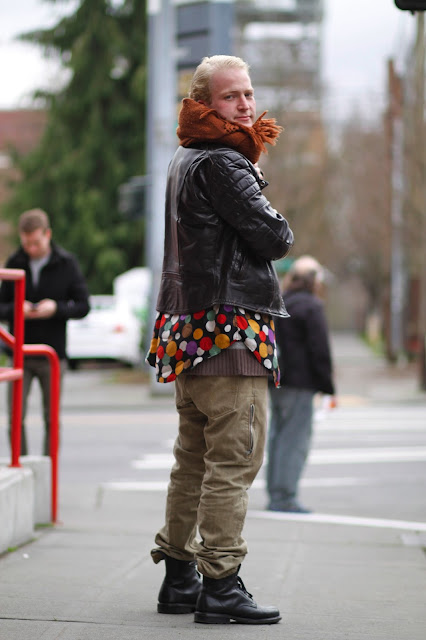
x,y
281,40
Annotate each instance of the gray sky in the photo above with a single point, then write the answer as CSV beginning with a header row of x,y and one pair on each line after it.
x,y
358,39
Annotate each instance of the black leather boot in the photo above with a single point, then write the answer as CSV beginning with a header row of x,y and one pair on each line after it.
x,y
181,587
227,600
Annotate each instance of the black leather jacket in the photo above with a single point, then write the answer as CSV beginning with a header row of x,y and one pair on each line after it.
x,y
220,235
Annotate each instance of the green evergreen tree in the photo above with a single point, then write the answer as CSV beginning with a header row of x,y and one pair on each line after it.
x,y
94,139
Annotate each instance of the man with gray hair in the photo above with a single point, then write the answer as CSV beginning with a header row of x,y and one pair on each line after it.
x,y
305,363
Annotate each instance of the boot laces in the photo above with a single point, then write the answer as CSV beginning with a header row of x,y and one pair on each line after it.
x,y
195,566
243,588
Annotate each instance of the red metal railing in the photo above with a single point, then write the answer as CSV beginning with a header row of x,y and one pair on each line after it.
x,y
15,374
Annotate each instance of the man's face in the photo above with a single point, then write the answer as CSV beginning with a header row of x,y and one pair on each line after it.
x,y
232,96
37,243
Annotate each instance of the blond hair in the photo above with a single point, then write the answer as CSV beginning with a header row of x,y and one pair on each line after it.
x,y
201,80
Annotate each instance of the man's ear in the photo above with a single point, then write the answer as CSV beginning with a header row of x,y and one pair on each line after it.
x,y
203,102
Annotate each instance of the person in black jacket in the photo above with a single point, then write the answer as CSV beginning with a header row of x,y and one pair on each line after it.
x,y
306,368
214,337
55,291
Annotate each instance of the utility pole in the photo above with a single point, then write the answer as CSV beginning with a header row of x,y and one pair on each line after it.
x,y
395,136
161,140
419,183
417,172
180,34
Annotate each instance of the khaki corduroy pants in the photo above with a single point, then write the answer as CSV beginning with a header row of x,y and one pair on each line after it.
x,y
218,453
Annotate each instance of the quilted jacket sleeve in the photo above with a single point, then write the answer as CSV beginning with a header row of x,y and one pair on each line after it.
x,y
236,196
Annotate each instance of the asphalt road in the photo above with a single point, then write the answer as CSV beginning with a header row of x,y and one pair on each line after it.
x,y
368,457
365,461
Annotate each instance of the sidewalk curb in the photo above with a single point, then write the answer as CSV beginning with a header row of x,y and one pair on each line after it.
x,y
16,507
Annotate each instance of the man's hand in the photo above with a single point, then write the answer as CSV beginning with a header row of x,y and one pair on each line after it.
x,y
40,310
27,308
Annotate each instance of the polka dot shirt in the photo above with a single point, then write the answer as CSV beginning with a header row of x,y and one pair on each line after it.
x,y
181,342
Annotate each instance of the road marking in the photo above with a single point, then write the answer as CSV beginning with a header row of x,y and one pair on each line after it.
x,y
323,518
329,482
161,485
414,539
154,461
131,418
374,454
314,518
373,419
129,485
316,457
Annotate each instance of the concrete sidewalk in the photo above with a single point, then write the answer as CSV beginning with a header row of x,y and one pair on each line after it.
x,y
91,576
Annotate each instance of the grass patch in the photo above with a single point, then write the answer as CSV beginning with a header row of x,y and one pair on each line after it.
x,y
18,547
377,346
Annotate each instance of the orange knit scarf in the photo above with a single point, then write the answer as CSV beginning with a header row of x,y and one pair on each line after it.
x,y
198,123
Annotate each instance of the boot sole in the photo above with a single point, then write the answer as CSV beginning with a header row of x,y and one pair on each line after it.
x,y
220,618
175,608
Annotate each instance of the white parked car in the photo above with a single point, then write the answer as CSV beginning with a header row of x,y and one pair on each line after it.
x,y
111,330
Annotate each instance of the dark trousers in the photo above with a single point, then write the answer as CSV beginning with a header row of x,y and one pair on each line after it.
x,y
289,440
35,367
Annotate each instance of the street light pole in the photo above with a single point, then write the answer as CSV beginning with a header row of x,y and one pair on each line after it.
x,y
161,138
419,186
396,262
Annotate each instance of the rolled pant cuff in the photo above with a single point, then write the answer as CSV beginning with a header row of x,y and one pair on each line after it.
x,y
158,554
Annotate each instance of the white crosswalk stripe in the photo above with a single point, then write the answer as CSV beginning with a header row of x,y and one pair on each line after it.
x,y
321,456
